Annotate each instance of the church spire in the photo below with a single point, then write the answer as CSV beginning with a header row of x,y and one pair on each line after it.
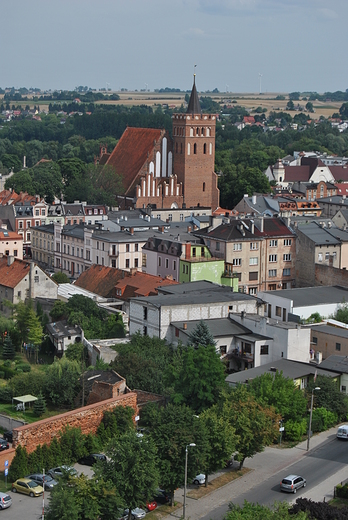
x,y
194,106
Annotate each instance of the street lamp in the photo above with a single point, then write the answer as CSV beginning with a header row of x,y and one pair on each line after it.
x,y
310,417
186,455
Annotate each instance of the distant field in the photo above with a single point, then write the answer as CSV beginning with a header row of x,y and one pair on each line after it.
x,y
175,100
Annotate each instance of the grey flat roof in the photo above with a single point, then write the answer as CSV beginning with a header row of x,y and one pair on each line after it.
x,y
306,296
218,327
318,234
329,329
292,369
337,363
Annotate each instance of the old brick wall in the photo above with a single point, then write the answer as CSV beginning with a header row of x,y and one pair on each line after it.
x,y
328,275
87,419
6,455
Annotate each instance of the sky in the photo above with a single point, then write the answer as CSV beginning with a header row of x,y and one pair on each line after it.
x,y
240,46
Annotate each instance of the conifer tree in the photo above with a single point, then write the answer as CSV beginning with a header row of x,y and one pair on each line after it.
x,y
8,350
201,335
39,406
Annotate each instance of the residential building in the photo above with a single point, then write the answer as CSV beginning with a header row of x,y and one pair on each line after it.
x,y
338,364
62,334
11,244
277,205
260,252
328,340
154,315
300,303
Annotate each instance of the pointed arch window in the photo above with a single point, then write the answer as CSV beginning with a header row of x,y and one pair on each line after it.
x,y
197,131
202,131
203,186
205,148
191,131
180,147
195,149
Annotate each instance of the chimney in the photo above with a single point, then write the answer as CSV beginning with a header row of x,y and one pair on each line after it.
x,y
253,199
10,260
189,229
187,250
252,226
132,230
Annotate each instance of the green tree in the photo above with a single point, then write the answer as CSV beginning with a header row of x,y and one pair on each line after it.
x,y
342,313
60,277
273,389
201,378
11,162
34,330
59,310
220,440
76,351
201,335
39,406
8,350
19,464
279,511
290,105
344,111
131,468
309,106
62,381
256,426
329,396
115,422
173,428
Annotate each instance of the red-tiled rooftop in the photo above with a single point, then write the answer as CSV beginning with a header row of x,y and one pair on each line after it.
x,y
11,275
133,149
142,284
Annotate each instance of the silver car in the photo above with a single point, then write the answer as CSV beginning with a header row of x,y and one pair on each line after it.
x,y
5,501
292,483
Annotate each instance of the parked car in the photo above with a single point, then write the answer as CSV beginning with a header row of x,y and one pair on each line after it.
x,y
136,513
292,483
199,479
39,479
91,459
59,471
162,496
27,486
8,436
342,432
151,505
4,445
5,500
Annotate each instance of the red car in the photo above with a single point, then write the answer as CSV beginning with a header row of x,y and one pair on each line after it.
x,y
150,506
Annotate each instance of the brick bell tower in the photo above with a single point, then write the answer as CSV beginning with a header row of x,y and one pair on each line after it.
x,y
194,154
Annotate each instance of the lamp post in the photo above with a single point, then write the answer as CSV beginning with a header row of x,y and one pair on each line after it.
x,y
186,455
310,417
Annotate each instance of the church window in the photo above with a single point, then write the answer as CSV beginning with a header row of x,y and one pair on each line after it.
x,y
195,148
203,186
176,147
180,147
188,149
208,132
197,131
191,132
202,131
204,148
210,148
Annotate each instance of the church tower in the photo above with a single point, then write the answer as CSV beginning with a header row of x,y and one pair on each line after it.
x,y
194,154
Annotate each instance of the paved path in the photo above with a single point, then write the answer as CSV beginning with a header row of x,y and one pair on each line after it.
x,y
264,465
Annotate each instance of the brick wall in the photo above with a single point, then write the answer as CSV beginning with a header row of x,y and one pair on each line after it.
x,y
87,419
327,275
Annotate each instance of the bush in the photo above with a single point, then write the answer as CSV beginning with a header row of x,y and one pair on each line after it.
x,y
6,394
19,464
342,491
8,372
323,419
23,367
294,430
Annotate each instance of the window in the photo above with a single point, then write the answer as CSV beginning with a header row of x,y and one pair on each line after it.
x,y
264,350
223,350
97,245
237,261
159,261
144,260
272,273
253,261
127,263
287,258
20,225
170,217
36,279
272,287
287,272
237,247
167,263
127,248
320,257
174,265
287,242
273,243
217,246
181,217
204,182
238,276
37,212
253,276
315,340
7,252
254,246
327,256
19,294
272,258
338,346
278,311
136,262
176,332
88,255
145,331
15,252
136,247
343,389
252,290
145,313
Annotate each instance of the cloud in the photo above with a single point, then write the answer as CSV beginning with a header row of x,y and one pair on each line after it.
x,y
195,31
328,14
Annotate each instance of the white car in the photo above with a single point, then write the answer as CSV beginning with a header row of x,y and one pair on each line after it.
x,y
199,479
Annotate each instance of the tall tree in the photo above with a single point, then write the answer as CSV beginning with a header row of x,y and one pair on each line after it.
x,y
132,468
201,335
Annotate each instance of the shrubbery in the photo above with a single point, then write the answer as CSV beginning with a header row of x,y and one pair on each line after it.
x,y
294,430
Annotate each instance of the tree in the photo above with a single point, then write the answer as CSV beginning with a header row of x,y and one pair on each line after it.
x,y
290,105
329,396
39,406
34,330
342,313
201,378
8,350
131,468
279,511
172,428
59,310
62,381
256,426
115,422
220,440
60,277
344,111
309,106
201,335
19,465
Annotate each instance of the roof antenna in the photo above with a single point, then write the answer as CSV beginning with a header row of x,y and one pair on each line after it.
x,y
194,73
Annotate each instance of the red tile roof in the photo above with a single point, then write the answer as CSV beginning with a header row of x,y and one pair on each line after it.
x,y
141,284
340,173
11,275
132,151
297,173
